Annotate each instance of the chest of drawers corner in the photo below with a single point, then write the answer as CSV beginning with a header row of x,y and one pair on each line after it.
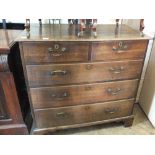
x,y
80,83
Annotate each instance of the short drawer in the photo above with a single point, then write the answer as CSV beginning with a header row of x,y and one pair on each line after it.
x,y
119,50
45,75
48,97
45,52
83,114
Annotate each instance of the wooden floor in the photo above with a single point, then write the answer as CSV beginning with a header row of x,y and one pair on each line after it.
x,y
141,126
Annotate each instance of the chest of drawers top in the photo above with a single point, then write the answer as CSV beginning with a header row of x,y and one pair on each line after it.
x,y
65,32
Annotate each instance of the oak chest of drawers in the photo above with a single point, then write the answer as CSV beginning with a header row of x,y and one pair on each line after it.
x,y
75,82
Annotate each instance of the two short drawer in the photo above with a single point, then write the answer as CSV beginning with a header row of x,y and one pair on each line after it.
x,y
56,52
72,115
61,96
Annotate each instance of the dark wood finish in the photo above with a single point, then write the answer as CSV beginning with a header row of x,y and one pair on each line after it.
x,y
17,70
9,101
45,75
9,96
11,121
45,52
82,94
17,129
119,50
97,74
82,114
3,113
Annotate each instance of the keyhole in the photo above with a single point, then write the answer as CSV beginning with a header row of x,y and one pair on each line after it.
x,y
56,46
120,44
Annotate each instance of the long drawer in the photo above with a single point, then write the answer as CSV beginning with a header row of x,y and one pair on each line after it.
x,y
48,97
45,52
119,50
45,75
82,114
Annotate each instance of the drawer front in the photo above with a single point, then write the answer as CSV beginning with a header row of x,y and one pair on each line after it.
x,y
45,52
83,114
82,94
119,50
45,75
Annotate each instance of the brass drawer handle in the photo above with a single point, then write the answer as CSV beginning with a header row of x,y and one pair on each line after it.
x,y
87,108
87,88
116,70
63,49
120,48
58,72
114,92
60,96
111,110
62,114
56,51
50,49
